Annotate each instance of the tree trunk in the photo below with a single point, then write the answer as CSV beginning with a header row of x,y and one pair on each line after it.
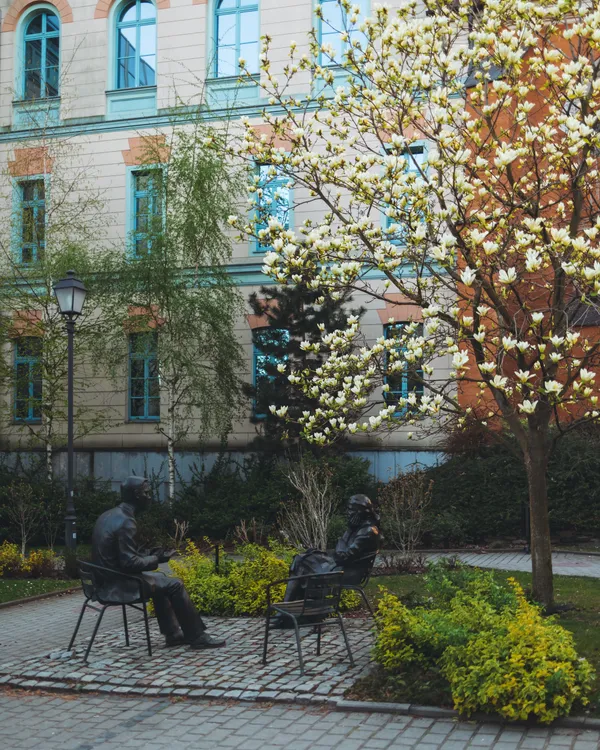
x,y
171,449
536,464
171,458
49,467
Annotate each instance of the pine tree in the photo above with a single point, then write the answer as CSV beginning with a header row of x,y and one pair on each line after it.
x,y
291,314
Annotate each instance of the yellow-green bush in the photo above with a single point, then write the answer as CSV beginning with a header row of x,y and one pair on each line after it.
x,y
210,591
529,668
239,588
41,563
497,652
12,563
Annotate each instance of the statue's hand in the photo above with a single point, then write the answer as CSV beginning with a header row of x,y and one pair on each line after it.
x,y
166,555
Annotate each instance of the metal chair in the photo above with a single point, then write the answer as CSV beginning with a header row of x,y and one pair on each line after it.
x,y
91,581
369,561
322,594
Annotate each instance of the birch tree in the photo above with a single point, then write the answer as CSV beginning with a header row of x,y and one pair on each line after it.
x,y
53,220
171,283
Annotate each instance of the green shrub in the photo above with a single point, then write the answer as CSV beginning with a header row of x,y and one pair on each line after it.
x,y
528,668
215,502
12,563
482,492
41,563
92,498
239,588
494,649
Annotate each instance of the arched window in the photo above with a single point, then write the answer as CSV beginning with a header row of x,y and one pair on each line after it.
x,y
136,45
42,44
236,34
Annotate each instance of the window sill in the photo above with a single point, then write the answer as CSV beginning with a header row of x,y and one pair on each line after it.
x,y
143,420
232,91
124,103
36,113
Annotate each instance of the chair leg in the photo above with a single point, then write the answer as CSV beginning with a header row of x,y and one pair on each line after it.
x,y
72,641
299,646
90,644
361,591
341,621
266,641
147,626
319,640
125,624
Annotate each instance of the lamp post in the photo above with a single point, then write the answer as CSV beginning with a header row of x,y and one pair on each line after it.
x,y
70,296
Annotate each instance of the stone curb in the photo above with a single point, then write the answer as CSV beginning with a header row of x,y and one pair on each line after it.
x,y
38,597
502,551
334,704
433,712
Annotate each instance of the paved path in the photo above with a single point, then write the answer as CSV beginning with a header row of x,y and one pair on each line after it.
x,y
109,723
563,563
36,636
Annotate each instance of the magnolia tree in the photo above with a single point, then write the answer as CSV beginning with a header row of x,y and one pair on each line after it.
x,y
457,165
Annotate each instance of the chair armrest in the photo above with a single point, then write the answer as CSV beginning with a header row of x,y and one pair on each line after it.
x,y
286,580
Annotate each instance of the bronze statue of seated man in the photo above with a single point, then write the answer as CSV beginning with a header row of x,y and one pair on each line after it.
x,y
353,553
114,546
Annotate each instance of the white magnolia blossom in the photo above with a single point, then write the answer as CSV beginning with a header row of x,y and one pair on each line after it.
x,y
474,205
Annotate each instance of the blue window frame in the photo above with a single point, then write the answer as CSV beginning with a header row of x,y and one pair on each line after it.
x,y
333,22
415,162
237,35
406,381
41,56
270,346
272,200
28,379
32,221
136,45
147,208
144,382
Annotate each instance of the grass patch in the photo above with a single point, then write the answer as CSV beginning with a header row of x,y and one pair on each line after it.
x,y
20,588
430,688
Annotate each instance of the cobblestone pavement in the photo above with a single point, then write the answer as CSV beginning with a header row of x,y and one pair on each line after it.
x,y
231,672
563,563
111,723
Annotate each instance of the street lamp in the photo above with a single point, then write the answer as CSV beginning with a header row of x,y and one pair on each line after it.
x,y
70,296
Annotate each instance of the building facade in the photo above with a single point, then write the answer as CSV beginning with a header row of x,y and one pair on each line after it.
x,y
100,77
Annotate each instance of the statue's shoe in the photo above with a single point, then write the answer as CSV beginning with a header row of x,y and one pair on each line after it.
x,y
175,640
206,641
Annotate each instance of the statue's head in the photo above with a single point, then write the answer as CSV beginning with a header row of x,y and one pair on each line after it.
x,y
359,510
136,492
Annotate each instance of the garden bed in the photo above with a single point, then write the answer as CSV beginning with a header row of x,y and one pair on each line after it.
x,y
427,687
15,589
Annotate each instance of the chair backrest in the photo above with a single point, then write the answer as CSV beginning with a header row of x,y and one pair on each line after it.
x,y
322,594
367,563
89,579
